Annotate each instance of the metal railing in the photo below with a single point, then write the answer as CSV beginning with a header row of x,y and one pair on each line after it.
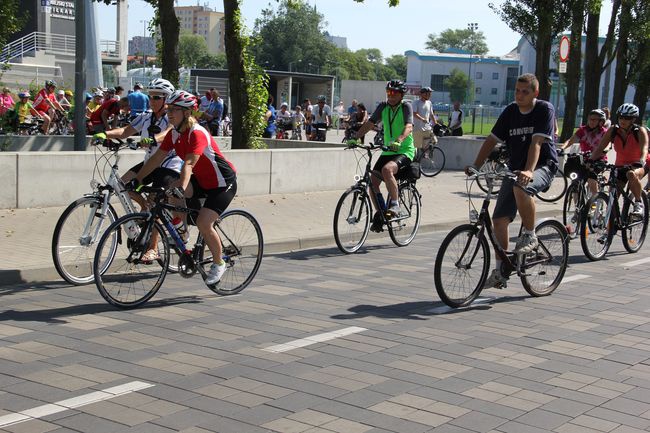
x,y
51,44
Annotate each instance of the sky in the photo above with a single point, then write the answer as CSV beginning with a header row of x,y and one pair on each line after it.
x,y
366,25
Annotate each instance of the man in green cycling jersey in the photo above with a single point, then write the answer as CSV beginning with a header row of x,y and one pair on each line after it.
x,y
396,115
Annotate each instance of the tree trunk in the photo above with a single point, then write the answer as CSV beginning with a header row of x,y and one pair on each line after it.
x,y
641,80
169,36
641,96
543,47
622,76
236,73
592,69
573,70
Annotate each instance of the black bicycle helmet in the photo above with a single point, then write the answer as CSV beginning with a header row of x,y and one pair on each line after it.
x,y
50,83
396,85
598,112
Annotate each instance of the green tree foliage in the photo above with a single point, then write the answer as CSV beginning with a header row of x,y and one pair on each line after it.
x,y
539,21
398,64
291,35
212,61
12,19
460,39
191,49
457,83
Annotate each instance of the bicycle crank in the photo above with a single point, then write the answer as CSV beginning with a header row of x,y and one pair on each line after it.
x,y
186,266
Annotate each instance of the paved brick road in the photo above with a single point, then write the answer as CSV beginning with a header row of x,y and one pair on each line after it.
x,y
577,361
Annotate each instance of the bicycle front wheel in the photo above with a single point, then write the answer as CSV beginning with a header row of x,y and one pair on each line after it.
x,y
243,247
595,236
75,238
403,229
432,161
635,228
133,274
557,189
461,266
544,268
352,220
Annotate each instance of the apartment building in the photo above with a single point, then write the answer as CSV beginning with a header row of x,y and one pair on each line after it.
x,y
205,22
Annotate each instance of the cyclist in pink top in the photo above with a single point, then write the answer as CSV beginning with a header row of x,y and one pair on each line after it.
x,y
589,137
6,101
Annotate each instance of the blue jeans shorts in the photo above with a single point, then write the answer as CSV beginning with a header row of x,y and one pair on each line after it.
x,y
507,206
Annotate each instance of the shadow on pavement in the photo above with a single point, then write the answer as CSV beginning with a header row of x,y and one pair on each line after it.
x,y
57,315
420,310
325,252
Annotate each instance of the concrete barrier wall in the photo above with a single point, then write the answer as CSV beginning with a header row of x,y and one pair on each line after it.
x,y
35,179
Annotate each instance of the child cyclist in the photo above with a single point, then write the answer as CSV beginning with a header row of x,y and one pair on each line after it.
x,y
205,172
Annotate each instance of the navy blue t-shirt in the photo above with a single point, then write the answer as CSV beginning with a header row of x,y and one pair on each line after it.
x,y
516,130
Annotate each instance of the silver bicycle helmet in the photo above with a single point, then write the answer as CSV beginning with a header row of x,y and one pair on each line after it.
x,y
629,110
161,85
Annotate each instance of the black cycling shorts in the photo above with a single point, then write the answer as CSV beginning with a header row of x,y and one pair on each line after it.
x,y
621,173
402,161
161,177
216,199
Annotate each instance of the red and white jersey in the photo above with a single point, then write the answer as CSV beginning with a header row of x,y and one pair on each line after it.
x,y
40,103
212,170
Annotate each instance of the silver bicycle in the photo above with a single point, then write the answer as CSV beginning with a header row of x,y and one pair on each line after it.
x,y
83,222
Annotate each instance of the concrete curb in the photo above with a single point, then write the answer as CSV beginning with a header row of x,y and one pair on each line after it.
x,y
48,274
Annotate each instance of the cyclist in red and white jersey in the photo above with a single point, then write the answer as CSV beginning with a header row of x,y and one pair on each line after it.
x,y
631,146
45,103
205,173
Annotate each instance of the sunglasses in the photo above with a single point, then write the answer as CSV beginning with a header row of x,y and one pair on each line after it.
x,y
628,117
157,98
393,92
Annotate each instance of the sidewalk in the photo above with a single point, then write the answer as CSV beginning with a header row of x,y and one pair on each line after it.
x,y
288,221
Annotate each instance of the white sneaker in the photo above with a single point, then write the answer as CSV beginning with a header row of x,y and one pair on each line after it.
x,y
526,243
496,280
637,211
215,273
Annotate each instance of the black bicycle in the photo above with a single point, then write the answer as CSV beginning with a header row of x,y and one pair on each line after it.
x,y
352,217
431,158
497,162
603,218
126,278
463,260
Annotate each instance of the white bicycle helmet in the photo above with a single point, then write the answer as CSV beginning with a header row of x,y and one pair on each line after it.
x,y
182,98
161,85
628,109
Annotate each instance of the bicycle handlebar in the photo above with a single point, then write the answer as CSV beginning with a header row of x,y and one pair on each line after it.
x,y
115,144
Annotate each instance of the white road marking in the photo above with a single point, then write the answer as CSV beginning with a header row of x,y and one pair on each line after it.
x,y
636,262
575,278
71,403
318,338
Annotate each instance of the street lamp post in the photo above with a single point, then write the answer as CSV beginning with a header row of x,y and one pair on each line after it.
x,y
472,27
144,55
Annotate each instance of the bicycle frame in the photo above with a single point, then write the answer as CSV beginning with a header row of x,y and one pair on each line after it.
x,y
616,191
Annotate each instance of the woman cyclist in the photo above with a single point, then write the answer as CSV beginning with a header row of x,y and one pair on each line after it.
x,y
205,172
631,147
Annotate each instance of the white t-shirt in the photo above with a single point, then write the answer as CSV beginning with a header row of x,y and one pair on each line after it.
x,y
284,116
298,118
424,109
321,118
141,124
456,119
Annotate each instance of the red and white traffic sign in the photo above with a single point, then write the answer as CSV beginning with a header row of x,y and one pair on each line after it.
x,y
564,49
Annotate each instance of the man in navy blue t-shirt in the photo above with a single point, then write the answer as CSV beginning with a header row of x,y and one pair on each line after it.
x,y
526,126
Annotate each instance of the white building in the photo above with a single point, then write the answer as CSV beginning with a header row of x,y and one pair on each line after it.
x,y
493,77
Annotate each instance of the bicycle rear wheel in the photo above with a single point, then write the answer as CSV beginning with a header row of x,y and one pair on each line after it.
x,y
352,220
243,248
635,229
73,250
595,235
574,200
461,266
129,281
432,161
544,268
403,229
557,189
493,168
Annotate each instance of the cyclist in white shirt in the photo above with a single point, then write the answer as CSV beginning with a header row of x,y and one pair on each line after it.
x,y
422,118
321,117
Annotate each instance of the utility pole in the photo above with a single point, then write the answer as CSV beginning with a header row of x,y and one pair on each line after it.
x,y
472,27
80,76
